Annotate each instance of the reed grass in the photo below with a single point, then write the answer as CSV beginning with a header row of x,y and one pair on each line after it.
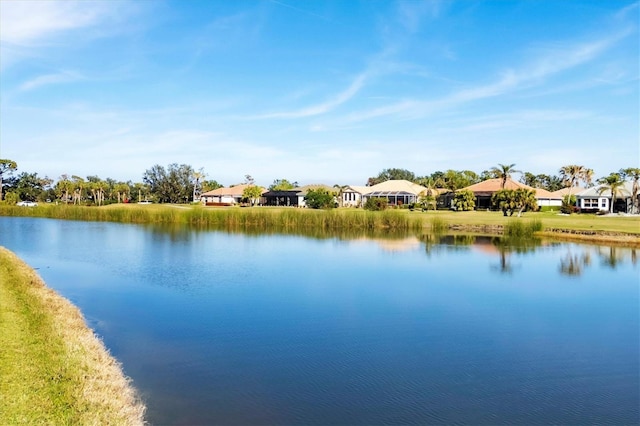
x,y
522,229
286,218
438,225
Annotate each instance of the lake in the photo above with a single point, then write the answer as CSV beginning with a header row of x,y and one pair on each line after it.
x,y
231,328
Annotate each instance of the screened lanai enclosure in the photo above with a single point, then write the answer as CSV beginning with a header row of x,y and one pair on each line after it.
x,y
395,198
281,198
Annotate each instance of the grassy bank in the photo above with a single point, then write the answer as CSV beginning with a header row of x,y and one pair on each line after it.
x,y
53,369
288,219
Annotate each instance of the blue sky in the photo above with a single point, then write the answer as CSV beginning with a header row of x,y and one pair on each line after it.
x,y
318,91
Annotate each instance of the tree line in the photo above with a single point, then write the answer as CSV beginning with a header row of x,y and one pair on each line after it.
x,y
181,183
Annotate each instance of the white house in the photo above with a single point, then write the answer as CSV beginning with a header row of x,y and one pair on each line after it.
x,y
352,195
558,196
597,198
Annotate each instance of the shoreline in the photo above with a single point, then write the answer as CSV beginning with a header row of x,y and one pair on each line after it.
x,y
618,230
55,368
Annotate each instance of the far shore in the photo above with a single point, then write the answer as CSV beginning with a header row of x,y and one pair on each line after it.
x,y
609,229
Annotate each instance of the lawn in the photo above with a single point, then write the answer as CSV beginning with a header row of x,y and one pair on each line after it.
x,y
53,369
550,220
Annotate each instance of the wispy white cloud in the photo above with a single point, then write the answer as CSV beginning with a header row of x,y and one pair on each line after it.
x,y
26,27
47,79
515,120
323,107
551,62
411,14
627,10
29,22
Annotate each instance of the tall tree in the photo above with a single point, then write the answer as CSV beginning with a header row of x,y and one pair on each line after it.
x,y
29,186
63,187
6,168
530,179
170,185
282,185
79,185
458,179
140,190
122,190
391,174
210,185
252,193
504,172
611,183
633,173
550,183
197,177
573,174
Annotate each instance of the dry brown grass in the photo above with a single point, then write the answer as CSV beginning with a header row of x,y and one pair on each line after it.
x,y
53,368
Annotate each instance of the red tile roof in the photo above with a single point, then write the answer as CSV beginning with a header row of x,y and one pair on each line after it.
x,y
490,186
231,192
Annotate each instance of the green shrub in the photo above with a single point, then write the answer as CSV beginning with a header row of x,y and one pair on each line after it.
x,y
464,200
320,199
11,198
376,204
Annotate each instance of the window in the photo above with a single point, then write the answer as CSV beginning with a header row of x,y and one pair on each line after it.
x,y
603,202
590,203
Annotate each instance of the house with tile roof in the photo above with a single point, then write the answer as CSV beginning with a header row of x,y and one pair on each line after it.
x,y
224,196
598,198
565,191
397,192
484,191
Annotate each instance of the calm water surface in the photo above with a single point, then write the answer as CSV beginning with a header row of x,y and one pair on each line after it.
x,y
218,328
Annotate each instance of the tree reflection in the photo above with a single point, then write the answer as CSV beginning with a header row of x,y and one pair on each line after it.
x,y
435,242
573,264
508,245
611,256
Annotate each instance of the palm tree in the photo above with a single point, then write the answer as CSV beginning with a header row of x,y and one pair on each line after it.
x,y
612,183
340,189
197,176
429,197
573,174
78,187
504,171
634,174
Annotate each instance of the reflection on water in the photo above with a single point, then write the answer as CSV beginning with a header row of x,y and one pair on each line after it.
x,y
573,263
580,258
352,327
183,232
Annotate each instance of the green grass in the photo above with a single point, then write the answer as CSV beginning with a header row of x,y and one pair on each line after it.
x,y
522,229
306,219
53,370
548,221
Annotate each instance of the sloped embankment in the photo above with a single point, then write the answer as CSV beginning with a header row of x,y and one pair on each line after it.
x,y
53,368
